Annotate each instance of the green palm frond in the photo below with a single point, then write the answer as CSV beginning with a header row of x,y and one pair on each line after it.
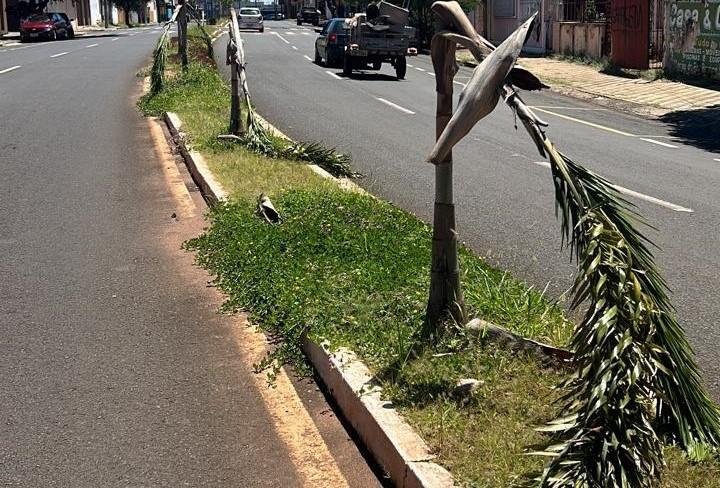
x,y
635,377
157,73
336,163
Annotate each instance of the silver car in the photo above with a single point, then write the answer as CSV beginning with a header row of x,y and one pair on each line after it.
x,y
251,18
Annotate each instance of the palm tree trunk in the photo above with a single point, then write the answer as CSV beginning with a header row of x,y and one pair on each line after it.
x,y
182,34
446,297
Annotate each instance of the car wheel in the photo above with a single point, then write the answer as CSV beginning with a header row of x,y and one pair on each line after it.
x,y
377,65
23,39
261,29
400,67
316,23
71,34
299,22
318,59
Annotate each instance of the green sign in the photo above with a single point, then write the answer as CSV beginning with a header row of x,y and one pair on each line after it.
x,y
694,35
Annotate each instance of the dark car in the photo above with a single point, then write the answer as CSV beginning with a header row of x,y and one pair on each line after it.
x,y
330,44
46,26
309,15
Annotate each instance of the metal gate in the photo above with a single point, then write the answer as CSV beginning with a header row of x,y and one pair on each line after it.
x,y
656,31
630,37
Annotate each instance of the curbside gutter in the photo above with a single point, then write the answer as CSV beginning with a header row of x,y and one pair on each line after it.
x,y
388,437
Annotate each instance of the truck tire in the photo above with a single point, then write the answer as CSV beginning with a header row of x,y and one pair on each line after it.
x,y
400,67
347,65
318,58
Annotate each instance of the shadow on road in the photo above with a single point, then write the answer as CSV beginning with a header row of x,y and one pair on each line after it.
x,y
365,76
697,128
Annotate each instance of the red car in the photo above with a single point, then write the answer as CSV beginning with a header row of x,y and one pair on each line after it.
x,y
46,26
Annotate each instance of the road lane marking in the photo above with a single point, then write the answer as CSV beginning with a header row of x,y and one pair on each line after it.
x,y
569,108
636,194
665,144
458,83
716,159
114,39
395,106
410,65
584,122
431,74
282,38
334,75
91,45
307,57
59,54
419,69
7,70
306,33
294,47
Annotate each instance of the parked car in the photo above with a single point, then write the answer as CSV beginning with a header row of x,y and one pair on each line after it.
x,y
330,44
46,26
68,21
251,18
272,14
308,15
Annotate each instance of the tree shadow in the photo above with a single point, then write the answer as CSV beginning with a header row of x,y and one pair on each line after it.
x,y
697,128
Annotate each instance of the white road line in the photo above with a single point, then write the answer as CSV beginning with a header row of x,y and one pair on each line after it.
x,y
282,38
419,69
91,45
570,108
584,122
458,83
395,106
306,33
333,75
307,57
12,44
59,54
294,47
633,193
431,74
716,159
290,33
410,65
131,34
7,70
114,39
665,144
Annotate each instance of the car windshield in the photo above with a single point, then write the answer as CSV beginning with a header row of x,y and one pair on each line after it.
x,y
249,11
38,18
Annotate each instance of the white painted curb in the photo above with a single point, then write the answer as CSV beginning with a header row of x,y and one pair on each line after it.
x,y
392,442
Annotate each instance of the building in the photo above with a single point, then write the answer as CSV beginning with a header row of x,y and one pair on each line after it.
x,y
504,16
3,19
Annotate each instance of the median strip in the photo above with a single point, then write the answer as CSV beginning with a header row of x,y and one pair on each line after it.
x,y
395,106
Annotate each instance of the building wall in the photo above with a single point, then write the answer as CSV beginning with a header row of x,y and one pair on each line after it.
x,y
3,18
692,38
504,16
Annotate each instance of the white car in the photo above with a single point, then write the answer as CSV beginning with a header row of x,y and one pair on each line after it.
x,y
251,18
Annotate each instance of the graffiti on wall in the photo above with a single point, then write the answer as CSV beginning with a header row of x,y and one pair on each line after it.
x,y
694,35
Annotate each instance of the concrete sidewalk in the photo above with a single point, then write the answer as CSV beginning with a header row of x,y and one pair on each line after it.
x,y
644,97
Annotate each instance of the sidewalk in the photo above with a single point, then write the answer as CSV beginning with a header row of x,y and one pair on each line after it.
x,y
644,97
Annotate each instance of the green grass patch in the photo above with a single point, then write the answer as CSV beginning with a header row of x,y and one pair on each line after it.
x,y
352,270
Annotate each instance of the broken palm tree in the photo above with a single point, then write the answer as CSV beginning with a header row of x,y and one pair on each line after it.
x,y
635,376
253,133
157,72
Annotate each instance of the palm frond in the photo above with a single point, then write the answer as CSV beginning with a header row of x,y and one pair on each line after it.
x,y
636,377
157,73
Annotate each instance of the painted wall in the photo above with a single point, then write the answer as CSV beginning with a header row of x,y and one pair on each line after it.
x,y
504,16
692,38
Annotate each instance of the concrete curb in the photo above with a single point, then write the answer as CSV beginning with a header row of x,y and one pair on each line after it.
x,y
392,442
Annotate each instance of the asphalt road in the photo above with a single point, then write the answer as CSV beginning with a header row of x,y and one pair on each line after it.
x,y
503,189
115,369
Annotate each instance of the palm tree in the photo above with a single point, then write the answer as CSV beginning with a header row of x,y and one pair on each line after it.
x,y
635,376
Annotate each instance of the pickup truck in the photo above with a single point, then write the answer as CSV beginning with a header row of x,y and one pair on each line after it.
x,y
380,35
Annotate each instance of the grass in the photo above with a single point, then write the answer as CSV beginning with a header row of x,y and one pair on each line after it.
x,y
352,270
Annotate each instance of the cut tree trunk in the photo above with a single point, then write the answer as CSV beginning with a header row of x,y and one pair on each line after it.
x,y
182,34
446,298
